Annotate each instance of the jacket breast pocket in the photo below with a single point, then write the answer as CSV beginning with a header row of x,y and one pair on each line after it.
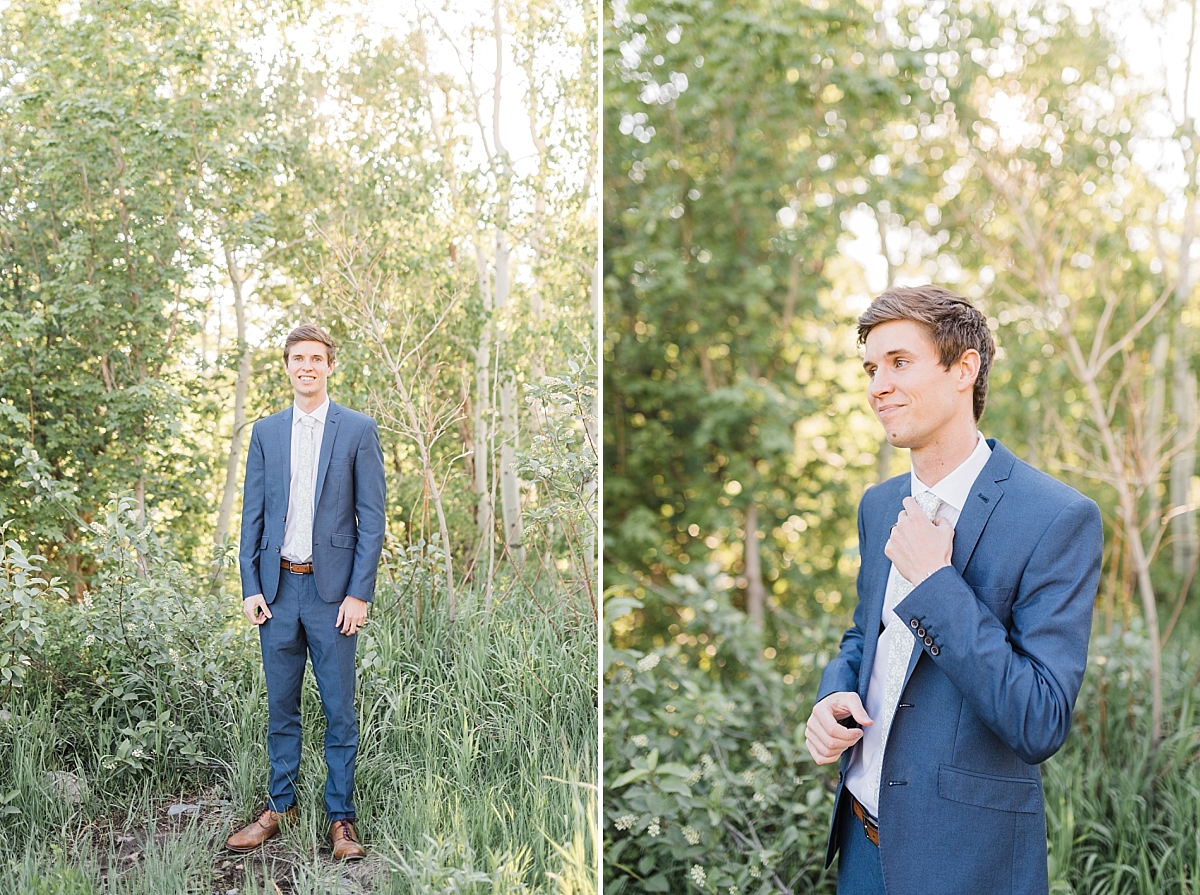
x,y
986,791
263,542
342,540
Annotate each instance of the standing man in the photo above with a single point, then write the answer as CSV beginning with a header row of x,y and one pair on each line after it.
x,y
312,532
975,590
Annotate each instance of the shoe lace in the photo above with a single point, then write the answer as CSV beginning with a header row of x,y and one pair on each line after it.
x,y
345,830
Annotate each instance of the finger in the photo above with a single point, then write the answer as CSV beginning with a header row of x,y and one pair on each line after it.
x,y
857,711
266,610
341,616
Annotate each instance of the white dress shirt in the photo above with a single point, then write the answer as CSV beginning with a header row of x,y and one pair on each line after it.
x,y
862,776
289,526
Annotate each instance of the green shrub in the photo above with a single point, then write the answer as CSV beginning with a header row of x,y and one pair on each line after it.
x,y
708,784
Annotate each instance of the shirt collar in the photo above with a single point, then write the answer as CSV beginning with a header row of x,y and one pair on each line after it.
x,y
955,488
319,414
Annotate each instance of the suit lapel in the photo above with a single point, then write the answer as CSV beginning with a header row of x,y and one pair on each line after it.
x,y
327,439
985,494
285,450
880,530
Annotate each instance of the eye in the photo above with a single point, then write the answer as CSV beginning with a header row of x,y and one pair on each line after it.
x,y
901,362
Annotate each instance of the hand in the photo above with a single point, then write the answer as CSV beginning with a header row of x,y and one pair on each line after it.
x,y
825,737
256,609
351,615
918,547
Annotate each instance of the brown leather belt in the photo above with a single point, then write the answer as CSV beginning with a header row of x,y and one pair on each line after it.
x,y
870,825
296,568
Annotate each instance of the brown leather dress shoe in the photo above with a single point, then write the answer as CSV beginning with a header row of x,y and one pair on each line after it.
x,y
259,831
346,846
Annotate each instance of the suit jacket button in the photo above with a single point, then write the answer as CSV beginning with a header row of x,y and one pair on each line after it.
x,y
920,632
276,549
913,624
929,641
933,651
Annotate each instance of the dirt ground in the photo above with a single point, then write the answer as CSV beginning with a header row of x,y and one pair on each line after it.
x,y
273,866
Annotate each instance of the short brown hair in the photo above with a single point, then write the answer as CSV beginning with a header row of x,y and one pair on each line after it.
x,y
309,332
953,322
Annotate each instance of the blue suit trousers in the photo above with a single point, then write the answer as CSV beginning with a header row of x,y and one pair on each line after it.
x,y
860,872
303,625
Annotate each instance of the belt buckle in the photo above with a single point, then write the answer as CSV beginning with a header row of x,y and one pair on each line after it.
x,y
870,825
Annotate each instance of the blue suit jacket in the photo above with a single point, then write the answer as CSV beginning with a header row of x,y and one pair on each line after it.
x,y
348,515
990,695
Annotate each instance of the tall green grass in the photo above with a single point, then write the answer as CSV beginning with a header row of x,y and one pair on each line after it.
x,y
477,745
1124,816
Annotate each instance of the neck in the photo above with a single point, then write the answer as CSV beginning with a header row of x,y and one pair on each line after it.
x,y
308,405
934,461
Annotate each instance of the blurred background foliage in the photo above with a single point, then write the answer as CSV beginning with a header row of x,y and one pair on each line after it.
x,y
768,168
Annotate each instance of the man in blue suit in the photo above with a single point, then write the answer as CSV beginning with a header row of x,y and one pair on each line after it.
x,y
312,532
976,583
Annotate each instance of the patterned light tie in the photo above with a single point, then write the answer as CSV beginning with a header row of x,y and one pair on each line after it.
x,y
902,644
304,499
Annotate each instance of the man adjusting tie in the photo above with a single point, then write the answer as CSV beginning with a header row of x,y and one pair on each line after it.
x,y
976,583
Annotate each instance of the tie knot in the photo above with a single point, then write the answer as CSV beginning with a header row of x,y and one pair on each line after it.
x,y
309,422
929,503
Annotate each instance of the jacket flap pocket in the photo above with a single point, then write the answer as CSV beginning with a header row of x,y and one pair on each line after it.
x,y
986,791
262,544
340,540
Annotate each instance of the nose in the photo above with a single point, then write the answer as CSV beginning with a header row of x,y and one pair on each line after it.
x,y
880,384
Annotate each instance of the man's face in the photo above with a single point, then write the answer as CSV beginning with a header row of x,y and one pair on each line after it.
x,y
913,395
308,367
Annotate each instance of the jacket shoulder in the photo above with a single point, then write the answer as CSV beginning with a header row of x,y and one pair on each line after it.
x,y
353,417
1049,492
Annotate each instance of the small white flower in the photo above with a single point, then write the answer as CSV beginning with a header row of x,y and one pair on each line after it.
x,y
89,640
697,874
764,858
706,762
759,797
759,751
626,675
754,871
641,740
748,776
694,777
692,835
138,753
625,821
654,829
645,663
733,890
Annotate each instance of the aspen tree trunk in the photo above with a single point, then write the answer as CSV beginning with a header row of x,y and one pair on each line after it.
x,y
510,492
233,460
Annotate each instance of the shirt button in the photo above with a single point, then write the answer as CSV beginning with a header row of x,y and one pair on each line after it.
x,y
933,651
929,641
920,632
913,624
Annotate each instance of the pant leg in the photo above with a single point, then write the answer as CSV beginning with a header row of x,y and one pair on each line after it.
x,y
333,665
284,652
859,869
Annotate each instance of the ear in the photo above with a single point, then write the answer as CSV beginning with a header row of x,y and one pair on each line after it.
x,y
968,369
